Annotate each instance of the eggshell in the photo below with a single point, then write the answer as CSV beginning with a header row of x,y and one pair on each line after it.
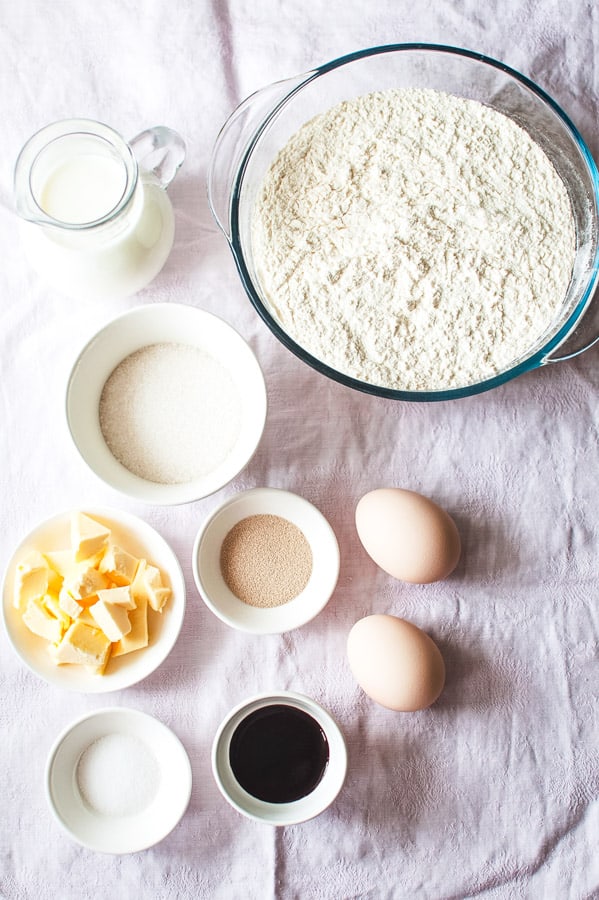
x,y
408,535
395,663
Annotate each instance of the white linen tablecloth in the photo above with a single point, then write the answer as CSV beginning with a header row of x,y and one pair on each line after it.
x,y
493,791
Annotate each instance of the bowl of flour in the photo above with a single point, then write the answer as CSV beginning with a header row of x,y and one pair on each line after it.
x,y
414,221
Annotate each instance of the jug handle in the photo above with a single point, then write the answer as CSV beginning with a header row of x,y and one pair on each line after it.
x,y
159,152
236,136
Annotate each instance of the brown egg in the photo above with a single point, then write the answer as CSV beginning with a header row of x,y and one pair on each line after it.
x,y
395,663
408,535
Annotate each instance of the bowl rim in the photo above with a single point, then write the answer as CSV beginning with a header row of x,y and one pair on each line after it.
x,y
136,487
535,360
280,814
262,496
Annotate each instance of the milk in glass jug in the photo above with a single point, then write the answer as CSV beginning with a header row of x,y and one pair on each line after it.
x,y
96,219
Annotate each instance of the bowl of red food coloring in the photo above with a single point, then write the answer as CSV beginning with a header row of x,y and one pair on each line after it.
x,y
279,758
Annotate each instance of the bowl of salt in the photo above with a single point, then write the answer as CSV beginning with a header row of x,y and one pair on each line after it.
x,y
118,780
166,403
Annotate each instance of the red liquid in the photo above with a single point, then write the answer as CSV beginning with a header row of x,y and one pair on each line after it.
x,y
278,753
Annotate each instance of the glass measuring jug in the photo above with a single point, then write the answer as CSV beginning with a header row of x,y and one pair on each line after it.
x,y
96,220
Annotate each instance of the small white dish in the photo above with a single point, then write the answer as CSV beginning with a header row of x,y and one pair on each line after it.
x,y
167,799
139,539
141,327
266,620
297,811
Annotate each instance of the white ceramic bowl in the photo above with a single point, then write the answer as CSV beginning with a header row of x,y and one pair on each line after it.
x,y
138,538
272,620
152,324
280,813
118,833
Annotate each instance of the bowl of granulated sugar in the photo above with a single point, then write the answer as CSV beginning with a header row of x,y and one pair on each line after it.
x,y
167,403
266,561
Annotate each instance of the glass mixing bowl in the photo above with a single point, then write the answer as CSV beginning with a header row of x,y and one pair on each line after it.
x,y
261,126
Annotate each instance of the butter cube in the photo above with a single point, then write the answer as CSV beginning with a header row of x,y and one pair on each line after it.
x,y
159,598
99,670
64,564
88,537
138,636
148,583
82,644
86,616
52,604
41,622
84,582
54,579
111,618
68,604
121,596
119,565
31,579
61,561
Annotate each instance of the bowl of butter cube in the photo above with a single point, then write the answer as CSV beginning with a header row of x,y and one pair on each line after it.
x,y
93,600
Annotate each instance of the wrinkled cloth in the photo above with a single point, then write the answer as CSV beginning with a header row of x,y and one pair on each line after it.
x,y
493,791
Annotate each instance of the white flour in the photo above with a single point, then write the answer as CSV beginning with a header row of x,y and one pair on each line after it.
x,y
413,239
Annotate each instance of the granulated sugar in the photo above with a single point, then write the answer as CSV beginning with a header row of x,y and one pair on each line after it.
x,y
414,239
266,560
118,775
170,413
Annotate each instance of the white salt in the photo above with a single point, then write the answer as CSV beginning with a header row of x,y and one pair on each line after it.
x,y
170,413
118,775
